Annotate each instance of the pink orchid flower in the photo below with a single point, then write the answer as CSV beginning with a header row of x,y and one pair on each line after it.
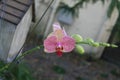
x,y
58,41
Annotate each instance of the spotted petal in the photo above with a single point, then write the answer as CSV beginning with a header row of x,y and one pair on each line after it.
x,y
50,44
68,44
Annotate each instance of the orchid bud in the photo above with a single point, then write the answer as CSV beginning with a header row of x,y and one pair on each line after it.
x,y
108,45
89,40
113,45
105,44
77,37
79,49
95,44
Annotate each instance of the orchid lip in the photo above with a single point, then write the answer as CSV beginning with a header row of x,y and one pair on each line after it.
x,y
59,51
59,44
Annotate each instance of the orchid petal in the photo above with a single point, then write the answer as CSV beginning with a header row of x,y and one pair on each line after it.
x,y
64,31
58,32
50,44
58,41
56,26
68,44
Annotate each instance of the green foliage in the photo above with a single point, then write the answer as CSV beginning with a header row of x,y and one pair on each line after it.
x,y
116,28
112,6
59,69
74,10
104,75
118,5
68,10
2,64
14,71
80,78
115,72
17,72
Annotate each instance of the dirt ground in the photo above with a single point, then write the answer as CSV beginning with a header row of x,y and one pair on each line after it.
x,y
71,66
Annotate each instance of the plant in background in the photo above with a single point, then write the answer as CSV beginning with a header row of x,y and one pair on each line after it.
x,y
59,69
74,10
115,72
104,75
16,71
116,28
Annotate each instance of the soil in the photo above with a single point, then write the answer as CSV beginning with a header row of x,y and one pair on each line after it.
x,y
71,66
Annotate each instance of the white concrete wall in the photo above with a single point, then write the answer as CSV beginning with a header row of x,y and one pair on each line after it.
x,y
105,32
40,8
7,31
91,22
20,35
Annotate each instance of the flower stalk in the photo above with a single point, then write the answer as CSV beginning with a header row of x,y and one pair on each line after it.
x,y
19,57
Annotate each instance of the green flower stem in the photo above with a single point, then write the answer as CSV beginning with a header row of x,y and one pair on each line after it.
x,y
28,52
82,42
23,54
97,44
5,67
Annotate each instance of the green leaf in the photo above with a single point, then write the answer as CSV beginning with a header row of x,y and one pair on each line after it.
x,y
103,1
115,72
94,1
19,72
104,75
80,78
59,69
118,6
111,7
